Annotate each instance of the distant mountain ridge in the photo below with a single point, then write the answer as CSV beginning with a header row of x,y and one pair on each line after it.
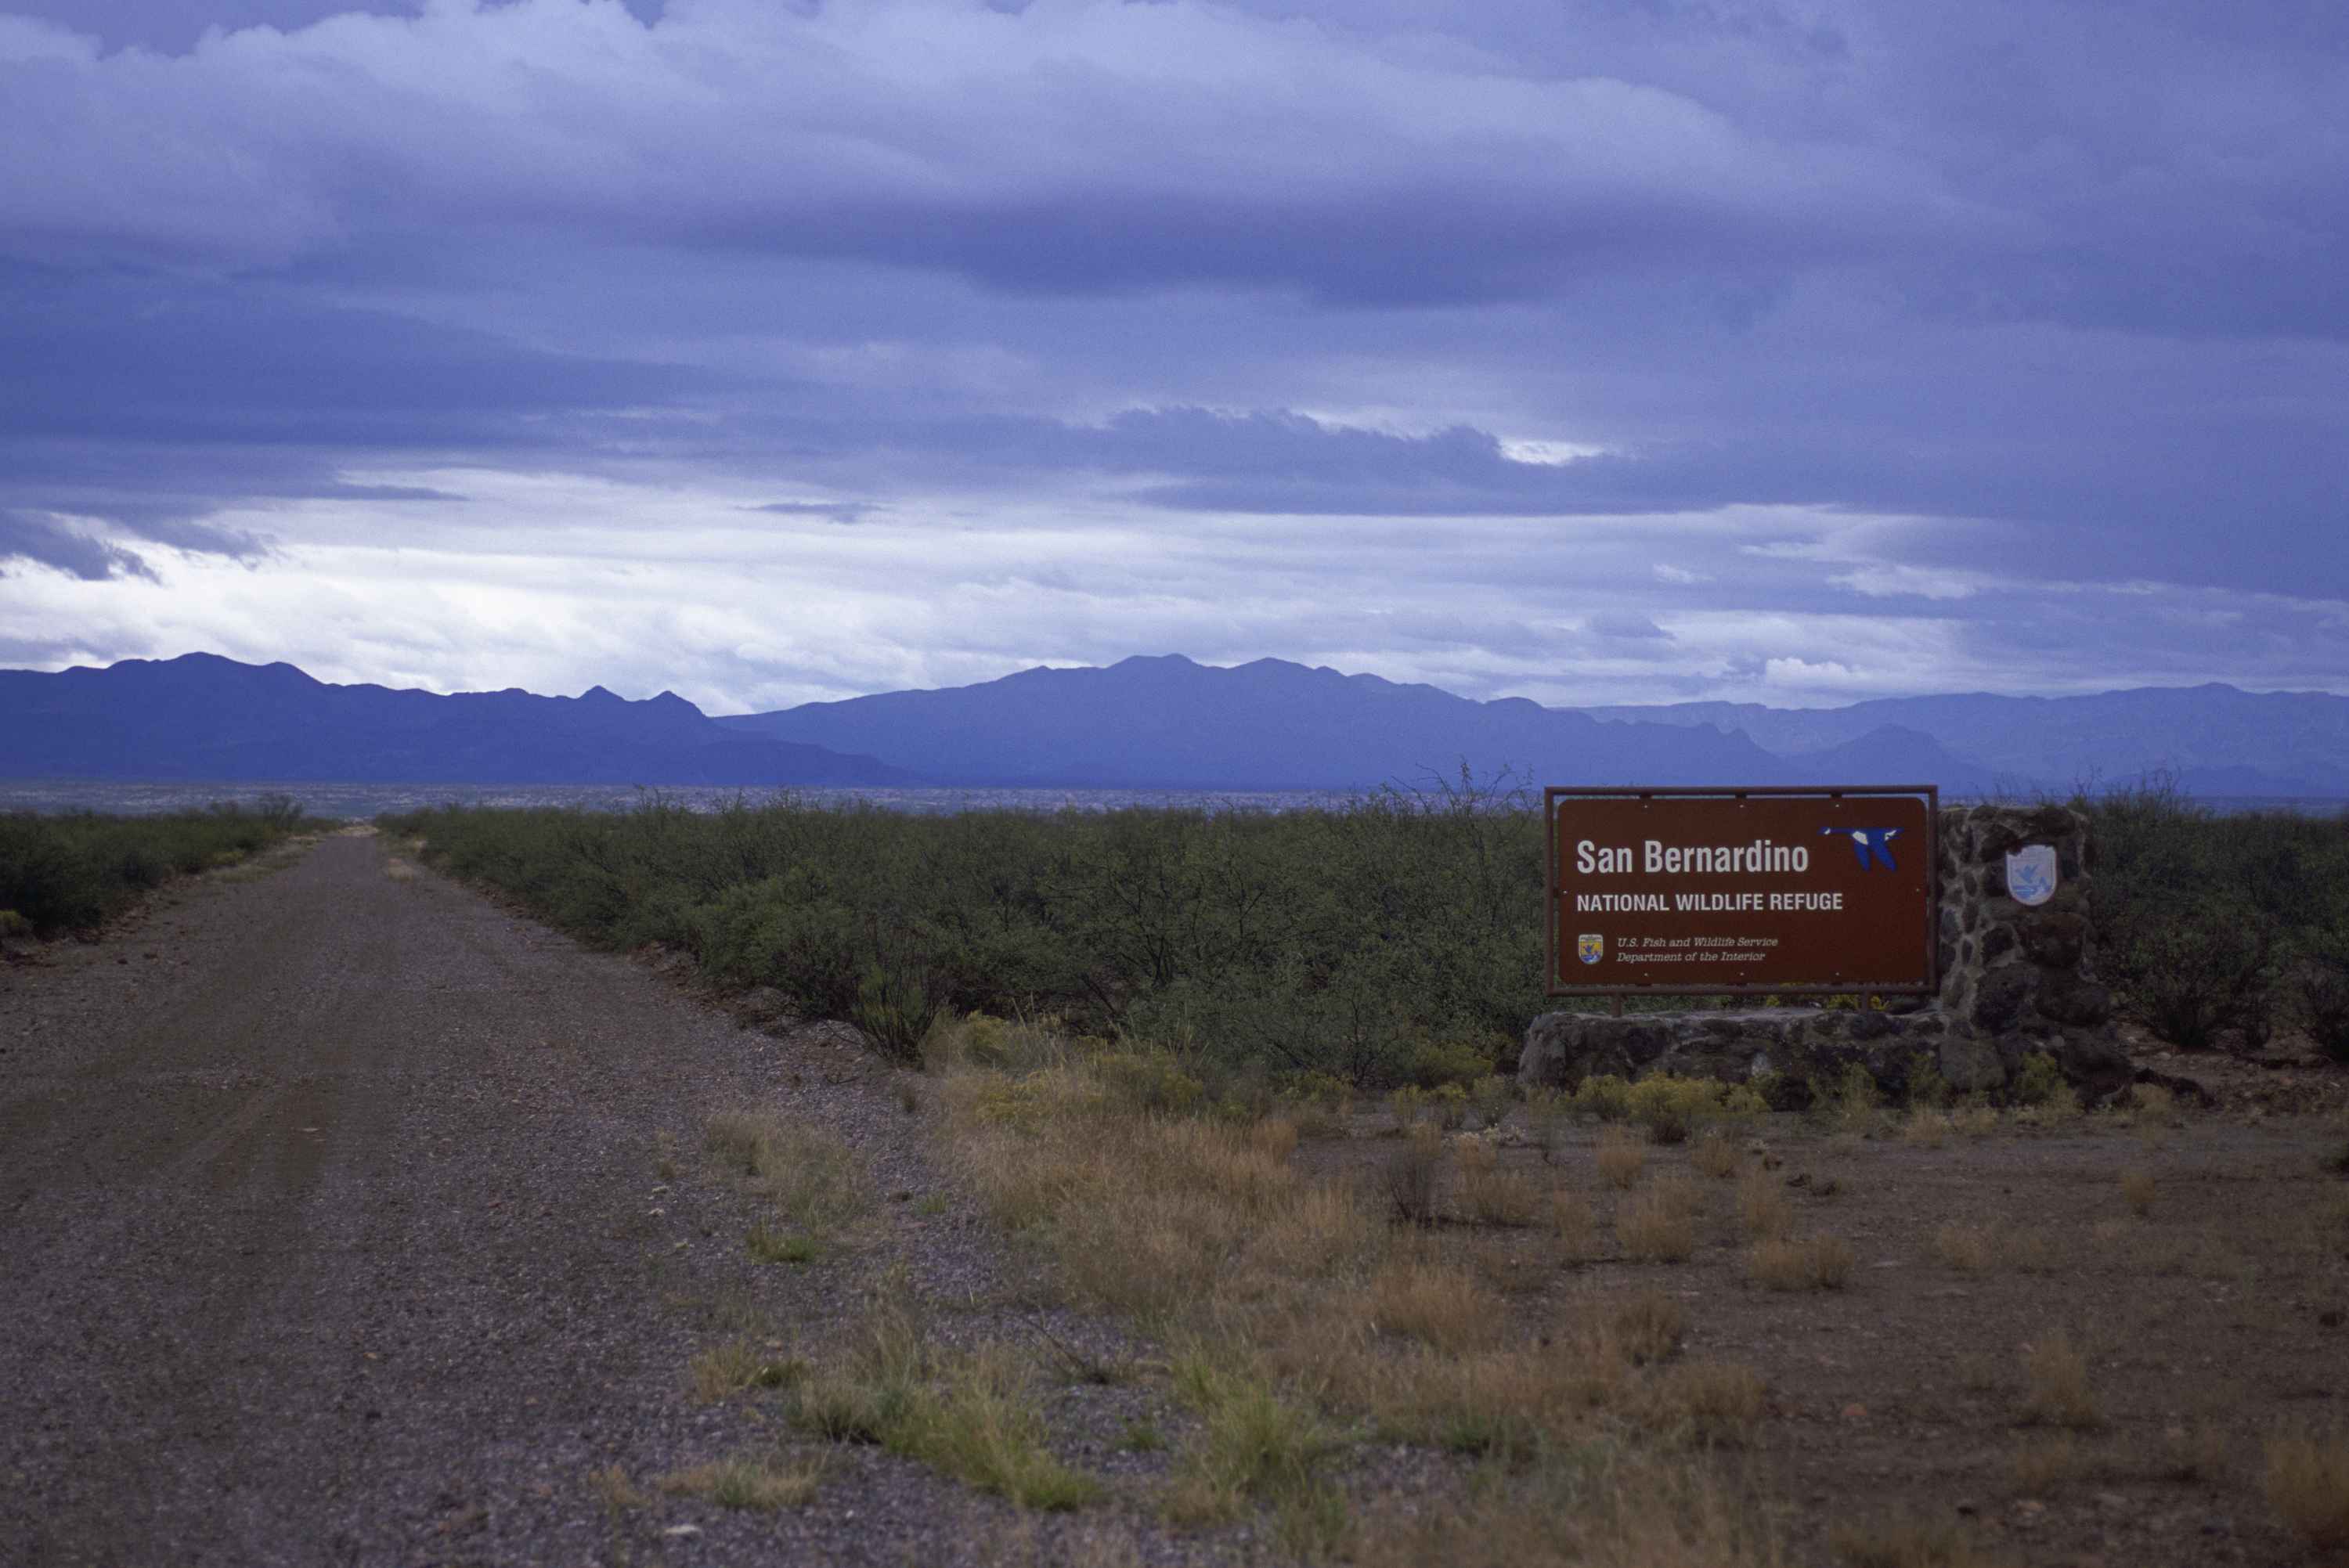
x,y
1165,722
2212,740
201,716
1159,722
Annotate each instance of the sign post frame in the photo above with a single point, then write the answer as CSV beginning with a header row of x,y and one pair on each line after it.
x,y
1552,894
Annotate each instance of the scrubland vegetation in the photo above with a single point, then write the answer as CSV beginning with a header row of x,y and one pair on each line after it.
x,y
1385,1330
78,871
1396,941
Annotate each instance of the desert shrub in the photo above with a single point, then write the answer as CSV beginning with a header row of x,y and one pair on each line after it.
x,y
1396,940
1926,1086
2320,983
2040,1080
2307,1482
1604,1096
78,869
1669,1107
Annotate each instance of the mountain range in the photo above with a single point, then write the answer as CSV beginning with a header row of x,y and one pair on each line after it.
x,y
1145,723
201,716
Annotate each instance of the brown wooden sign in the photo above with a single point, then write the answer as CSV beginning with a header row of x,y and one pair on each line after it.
x,y
1730,890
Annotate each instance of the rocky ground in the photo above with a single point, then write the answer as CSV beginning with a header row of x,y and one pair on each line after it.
x,y
348,1218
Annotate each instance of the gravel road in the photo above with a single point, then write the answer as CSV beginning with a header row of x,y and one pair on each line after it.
x,y
333,1228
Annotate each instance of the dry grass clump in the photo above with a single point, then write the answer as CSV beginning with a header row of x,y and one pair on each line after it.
x,y
1638,1512
1649,1326
1620,1157
1974,1120
1925,1129
1968,1247
2055,1381
1433,1302
2045,1463
1762,1209
1490,1195
2136,1190
973,1415
811,1174
1411,1174
1716,1156
1904,1544
2031,1252
1575,1224
616,1491
1712,1403
764,1482
767,1245
734,1364
1253,1446
2307,1482
1813,1263
2197,1452
2157,1104
1655,1226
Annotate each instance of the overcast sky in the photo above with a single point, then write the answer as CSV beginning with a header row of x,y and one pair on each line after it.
x,y
1585,350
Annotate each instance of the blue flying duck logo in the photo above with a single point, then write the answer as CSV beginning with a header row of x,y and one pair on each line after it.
x,y
1872,845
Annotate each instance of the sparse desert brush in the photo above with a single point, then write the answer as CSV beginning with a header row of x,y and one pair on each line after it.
x,y
2136,1190
1762,1209
1717,1403
616,1491
1619,1156
2307,1482
971,1414
1975,1120
1274,1138
767,1245
1962,1246
1648,1512
1925,1129
1655,1227
1574,1223
1433,1302
1492,1196
1648,1327
1854,1104
809,1172
735,1364
1550,1117
1491,1097
1411,1173
2056,1384
1717,1156
758,1481
1811,1263
2031,1252
1904,1544
2044,1463
1680,1193
1251,1445
2197,1452
1604,1096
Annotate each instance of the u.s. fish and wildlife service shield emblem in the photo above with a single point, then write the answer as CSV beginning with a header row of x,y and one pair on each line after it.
x,y
1590,948
2031,873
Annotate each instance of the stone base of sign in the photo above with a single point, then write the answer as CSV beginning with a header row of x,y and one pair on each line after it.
x,y
2015,979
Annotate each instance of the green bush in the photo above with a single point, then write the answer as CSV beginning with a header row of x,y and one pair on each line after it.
x,y
2193,909
76,871
1396,940
2041,1081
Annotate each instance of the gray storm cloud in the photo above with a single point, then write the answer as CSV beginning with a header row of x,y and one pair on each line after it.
x,y
2000,314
